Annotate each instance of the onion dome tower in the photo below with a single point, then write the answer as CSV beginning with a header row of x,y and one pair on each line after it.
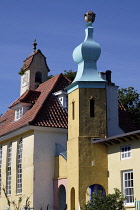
x,y
86,120
86,56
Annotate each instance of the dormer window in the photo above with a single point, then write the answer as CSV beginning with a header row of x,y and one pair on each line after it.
x,y
18,113
63,98
20,109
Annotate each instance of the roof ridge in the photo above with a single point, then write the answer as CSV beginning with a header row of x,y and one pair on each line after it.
x,y
59,76
49,80
67,78
34,53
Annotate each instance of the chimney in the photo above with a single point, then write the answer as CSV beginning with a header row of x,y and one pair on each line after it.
x,y
108,76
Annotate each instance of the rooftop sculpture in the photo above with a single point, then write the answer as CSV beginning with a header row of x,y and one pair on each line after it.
x,y
90,17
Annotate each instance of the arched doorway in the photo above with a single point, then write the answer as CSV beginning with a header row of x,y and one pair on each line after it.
x,y
96,188
62,197
72,198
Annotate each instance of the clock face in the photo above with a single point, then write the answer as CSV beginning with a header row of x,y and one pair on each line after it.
x,y
24,80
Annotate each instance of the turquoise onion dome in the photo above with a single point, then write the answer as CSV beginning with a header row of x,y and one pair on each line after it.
x,y
89,50
87,54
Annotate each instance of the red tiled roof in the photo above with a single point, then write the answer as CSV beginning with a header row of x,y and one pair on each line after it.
x,y
52,114
27,62
125,121
46,111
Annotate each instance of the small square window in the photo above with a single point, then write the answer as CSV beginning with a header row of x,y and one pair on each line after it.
x,y
126,152
18,113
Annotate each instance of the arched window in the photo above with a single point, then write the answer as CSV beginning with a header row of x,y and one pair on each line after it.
x,y
62,197
38,77
72,198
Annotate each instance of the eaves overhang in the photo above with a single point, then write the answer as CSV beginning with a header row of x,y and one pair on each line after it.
x,y
122,138
15,133
32,128
85,84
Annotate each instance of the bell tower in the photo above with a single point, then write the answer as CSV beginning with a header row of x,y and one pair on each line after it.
x,y
87,120
34,70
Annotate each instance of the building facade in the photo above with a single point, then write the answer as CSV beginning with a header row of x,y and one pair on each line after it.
x,y
61,140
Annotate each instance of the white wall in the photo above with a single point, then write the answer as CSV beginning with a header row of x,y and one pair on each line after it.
x,y
44,152
112,111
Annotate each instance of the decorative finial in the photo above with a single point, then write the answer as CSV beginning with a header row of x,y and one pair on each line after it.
x,y
90,17
34,45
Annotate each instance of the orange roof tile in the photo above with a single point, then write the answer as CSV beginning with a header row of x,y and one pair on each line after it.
x,y
125,121
46,110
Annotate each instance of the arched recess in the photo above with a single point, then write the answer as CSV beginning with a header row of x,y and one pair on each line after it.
x,y
95,188
72,198
62,197
38,77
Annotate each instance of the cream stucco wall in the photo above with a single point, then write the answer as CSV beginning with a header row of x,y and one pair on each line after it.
x,y
37,165
60,171
73,171
116,166
27,168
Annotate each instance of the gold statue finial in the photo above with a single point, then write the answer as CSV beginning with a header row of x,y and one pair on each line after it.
x,y
89,17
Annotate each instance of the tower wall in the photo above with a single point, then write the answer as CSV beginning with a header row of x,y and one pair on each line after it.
x,y
81,153
38,64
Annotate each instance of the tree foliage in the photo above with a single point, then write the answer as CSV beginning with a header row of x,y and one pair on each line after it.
x,y
113,201
50,76
130,99
69,74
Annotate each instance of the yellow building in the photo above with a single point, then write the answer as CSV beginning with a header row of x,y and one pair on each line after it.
x,y
59,146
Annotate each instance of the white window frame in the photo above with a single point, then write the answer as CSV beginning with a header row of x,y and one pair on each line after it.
x,y
126,152
19,167
9,174
128,187
62,97
18,113
0,169
61,100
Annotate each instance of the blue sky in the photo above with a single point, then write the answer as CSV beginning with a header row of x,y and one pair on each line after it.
x,y
59,27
